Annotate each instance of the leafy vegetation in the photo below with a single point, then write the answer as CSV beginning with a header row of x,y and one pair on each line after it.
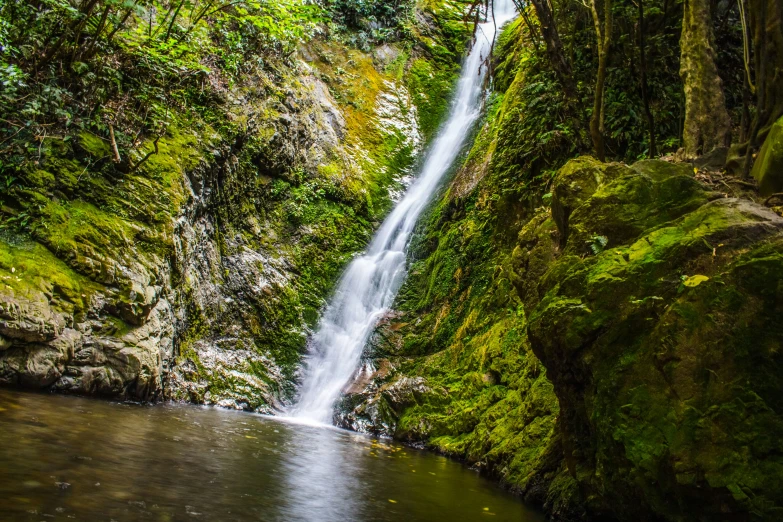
x,y
644,100
365,23
119,69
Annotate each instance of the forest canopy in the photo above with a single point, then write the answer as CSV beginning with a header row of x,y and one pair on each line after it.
x,y
632,78
642,78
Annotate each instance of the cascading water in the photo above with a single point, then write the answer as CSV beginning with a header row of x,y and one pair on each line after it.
x,y
370,284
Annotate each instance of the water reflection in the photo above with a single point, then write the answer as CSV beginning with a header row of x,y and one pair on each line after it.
x,y
326,469
67,458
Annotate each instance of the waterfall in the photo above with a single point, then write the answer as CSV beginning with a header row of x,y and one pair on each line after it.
x,y
370,284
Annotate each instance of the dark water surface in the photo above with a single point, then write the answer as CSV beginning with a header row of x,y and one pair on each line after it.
x,y
69,458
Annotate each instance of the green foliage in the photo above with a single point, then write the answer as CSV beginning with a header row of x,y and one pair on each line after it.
x,y
626,123
364,23
536,127
72,66
597,244
431,88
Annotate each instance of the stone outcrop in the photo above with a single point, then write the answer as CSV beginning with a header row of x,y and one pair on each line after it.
x,y
655,311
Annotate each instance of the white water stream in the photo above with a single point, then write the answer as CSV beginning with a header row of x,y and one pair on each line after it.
x,y
370,284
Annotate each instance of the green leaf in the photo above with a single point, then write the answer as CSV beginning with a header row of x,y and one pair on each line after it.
x,y
695,280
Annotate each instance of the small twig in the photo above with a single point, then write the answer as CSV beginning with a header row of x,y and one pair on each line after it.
x,y
40,146
10,123
78,179
744,183
745,46
12,136
17,100
115,150
773,196
726,185
145,158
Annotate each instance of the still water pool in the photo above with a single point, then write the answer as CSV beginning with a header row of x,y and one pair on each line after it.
x,y
70,458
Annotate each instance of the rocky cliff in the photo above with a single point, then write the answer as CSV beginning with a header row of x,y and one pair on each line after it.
x,y
196,273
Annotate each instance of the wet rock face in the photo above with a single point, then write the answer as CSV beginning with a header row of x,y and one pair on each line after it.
x,y
203,285
374,406
662,339
47,347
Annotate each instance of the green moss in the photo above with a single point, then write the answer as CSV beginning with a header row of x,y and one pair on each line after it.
x,y
67,226
30,271
179,151
431,87
41,180
679,376
93,145
768,165
498,408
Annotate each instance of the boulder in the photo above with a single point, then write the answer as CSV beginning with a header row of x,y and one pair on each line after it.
x,y
576,182
664,345
29,318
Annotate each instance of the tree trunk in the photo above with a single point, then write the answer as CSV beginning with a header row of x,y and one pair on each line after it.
x,y
707,123
745,117
554,47
603,33
645,87
523,10
766,27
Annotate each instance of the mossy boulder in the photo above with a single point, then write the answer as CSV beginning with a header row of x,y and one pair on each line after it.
x,y
768,168
574,183
662,343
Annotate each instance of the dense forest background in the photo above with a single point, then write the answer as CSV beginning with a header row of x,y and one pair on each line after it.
x,y
614,77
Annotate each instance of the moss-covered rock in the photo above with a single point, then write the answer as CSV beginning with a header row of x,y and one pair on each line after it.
x,y
619,359
662,344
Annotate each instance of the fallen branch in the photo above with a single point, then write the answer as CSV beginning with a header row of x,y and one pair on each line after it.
x,y
773,196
